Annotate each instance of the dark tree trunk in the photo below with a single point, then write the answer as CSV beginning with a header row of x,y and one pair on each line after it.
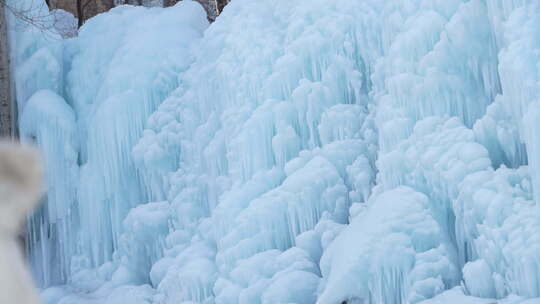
x,y
82,6
7,108
80,13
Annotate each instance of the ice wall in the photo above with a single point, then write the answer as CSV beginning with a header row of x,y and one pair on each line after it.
x,y
263,156
395,245
87,124
36,51
123,64
49,122
417,86
46,120
326,152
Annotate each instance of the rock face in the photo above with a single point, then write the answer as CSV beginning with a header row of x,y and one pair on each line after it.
x,y
6,109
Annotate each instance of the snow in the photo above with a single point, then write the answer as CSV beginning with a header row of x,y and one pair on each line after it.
x,y
363,151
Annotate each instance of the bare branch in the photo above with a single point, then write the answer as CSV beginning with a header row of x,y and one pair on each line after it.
x,y
30,14
36,16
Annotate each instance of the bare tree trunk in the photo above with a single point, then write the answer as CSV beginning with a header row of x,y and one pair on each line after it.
x,y
7,110
86,9
80,13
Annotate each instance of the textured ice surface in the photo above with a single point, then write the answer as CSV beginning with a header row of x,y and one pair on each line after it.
x,y
87,134
365,151
113,91
49,122
394,244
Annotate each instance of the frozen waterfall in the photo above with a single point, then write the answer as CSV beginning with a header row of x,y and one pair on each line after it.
x,y
293,151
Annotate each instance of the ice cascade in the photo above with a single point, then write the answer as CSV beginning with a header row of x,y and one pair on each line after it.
x,y
326,152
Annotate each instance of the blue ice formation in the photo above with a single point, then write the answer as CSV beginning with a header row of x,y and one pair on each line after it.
x,y
357,151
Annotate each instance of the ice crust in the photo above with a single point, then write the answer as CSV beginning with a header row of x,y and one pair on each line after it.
x,y
364,151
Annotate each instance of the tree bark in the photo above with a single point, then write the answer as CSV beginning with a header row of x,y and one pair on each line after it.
x,y
80,13
7,109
